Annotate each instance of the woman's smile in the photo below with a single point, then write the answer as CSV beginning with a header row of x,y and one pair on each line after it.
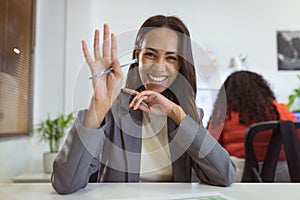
x,y
157,78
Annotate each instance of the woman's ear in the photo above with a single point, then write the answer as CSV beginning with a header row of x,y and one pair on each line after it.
x,y
136,54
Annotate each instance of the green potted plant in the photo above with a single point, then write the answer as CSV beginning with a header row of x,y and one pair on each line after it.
x,y
294,99
52,131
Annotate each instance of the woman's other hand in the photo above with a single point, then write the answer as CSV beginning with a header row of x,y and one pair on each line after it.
x,y
155,103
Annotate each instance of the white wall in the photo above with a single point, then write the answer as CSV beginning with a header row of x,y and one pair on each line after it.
x,y
25,153
227,27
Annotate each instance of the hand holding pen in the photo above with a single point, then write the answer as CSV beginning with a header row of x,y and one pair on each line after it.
x,y
107,87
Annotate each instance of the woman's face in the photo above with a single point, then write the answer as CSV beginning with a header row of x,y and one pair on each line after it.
x,y
158,59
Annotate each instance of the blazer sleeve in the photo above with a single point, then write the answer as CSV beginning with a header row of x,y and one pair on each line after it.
x,y
210,161
78,158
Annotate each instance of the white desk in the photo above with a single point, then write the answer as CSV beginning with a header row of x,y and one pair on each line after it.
x,y
243,191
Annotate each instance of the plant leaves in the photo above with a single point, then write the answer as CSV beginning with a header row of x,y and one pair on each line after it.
x,y
53,130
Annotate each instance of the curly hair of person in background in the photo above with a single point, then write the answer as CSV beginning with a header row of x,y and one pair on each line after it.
x,y
249,99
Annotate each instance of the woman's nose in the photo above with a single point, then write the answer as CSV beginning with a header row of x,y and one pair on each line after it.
x,y
160,60
158,67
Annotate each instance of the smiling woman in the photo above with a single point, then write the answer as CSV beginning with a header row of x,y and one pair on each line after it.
x,y
151,130
16,58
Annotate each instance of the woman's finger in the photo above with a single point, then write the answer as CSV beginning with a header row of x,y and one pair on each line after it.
x,y
144,108
137,101
150,94
86,54
114,56
106,42
130,91
96,45
114,48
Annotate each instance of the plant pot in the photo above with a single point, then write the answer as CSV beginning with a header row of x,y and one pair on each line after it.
x,y
48,159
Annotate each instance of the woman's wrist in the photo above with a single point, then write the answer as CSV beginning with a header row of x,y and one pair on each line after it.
x,y
177,114
95,114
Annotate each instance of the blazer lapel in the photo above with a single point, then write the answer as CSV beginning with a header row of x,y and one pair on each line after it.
x,y
178,156
130,125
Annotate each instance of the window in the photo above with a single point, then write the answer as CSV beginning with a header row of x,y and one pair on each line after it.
x,y
16,66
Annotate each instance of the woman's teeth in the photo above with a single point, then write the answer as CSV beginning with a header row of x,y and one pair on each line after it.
x,y
157,78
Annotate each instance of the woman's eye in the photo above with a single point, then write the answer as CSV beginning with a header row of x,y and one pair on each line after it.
x,y
149,55
171,58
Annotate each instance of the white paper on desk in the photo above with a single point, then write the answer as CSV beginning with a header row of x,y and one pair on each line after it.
x,y
193,196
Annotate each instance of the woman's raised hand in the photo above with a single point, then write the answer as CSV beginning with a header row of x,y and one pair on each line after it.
x,y
107,87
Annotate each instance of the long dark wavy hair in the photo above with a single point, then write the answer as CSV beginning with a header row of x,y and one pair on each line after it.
x,y
248,94
183,90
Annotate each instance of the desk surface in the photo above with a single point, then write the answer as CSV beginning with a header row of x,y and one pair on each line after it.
x,y
243,191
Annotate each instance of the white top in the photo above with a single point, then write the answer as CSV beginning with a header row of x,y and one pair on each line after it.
x,y
156,162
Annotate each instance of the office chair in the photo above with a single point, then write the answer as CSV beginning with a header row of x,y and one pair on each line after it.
x,y
284,132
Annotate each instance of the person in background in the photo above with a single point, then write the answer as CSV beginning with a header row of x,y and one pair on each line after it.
x,y
149,131
249,99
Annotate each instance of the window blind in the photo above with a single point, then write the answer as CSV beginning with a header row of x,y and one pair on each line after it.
x,y
16,66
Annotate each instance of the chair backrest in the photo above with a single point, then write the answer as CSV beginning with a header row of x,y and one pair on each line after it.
x,y
284,132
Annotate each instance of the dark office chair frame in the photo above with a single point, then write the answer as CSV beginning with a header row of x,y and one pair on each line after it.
x,y
284,132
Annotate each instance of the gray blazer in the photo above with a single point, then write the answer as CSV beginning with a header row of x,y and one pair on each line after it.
x,y
113,152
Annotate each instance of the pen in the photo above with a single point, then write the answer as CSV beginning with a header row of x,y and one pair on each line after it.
x,y
111,69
